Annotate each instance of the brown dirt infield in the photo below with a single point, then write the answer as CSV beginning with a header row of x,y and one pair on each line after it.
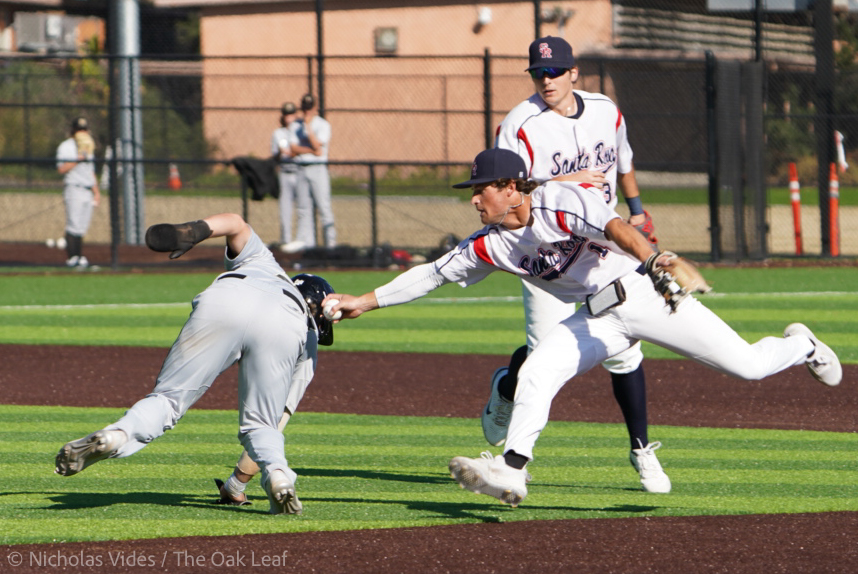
x,y
680,393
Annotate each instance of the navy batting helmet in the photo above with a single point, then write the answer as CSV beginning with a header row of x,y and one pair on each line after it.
x,y
314,289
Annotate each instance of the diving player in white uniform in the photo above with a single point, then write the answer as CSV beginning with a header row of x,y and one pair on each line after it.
x,y
562,238
572,135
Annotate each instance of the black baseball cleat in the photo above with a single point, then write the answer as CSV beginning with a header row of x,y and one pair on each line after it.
x,y
227,498
79,454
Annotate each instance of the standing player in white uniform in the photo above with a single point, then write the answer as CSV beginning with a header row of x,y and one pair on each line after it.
x,y
76,163
253,315
572,135
282,141
562,238
314,181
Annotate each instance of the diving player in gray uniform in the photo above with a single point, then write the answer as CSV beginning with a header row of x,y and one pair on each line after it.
x,y
76,164
314,181
254,315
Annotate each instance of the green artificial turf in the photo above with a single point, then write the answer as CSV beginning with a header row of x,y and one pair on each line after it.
x,y
487,318
359,471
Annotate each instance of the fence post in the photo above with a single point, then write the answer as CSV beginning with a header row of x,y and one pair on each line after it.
x,y
537,19
487,99
714,203
376,256
824,79
28,152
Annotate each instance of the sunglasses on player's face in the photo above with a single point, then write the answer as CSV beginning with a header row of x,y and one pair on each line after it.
x,y
539,73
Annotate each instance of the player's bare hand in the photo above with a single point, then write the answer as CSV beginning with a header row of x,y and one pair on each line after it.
x,y
594,177
638,219
350,306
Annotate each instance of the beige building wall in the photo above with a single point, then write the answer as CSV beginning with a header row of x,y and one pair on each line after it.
x,y
446,29
451,85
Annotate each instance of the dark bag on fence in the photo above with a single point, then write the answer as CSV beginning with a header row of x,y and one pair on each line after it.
x,y
260,175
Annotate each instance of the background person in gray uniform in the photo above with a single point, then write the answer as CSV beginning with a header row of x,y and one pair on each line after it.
x,y
254,315
76,163
314,181
282,141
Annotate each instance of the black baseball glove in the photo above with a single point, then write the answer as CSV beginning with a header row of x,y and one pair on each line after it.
x,y
177,238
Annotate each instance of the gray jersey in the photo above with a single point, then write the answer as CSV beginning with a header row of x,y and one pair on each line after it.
x,y
81,175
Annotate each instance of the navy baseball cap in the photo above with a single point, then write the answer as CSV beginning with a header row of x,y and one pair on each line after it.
x,y
308,102
494,164
551,52
288,108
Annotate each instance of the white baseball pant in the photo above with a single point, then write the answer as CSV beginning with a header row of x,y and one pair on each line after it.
x,y
542,311
582,341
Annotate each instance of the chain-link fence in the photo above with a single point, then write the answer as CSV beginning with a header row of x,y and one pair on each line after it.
x,y
404,129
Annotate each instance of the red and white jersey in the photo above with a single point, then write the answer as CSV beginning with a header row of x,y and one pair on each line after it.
x,y
563,252
552,145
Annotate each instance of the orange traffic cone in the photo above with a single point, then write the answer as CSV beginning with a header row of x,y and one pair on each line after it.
x,y
795,199
174,182
833,210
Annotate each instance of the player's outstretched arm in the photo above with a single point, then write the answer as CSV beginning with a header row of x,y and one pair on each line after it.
x,y
404,288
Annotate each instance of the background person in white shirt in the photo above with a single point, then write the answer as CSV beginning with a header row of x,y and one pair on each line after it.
x,y
81,196
313,134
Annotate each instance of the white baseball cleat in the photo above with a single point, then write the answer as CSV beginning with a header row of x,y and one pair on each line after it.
x,y
823,363
81,453
492,476
495,417
653,477
281,494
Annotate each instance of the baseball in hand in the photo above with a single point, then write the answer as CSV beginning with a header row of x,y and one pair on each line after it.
x,y
326,311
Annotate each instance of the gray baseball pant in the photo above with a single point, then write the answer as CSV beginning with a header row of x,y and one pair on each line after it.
x,y
253,323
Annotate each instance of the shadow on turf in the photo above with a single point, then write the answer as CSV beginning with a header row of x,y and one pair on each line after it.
x,y
452,510
426,479
78,500
371,475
